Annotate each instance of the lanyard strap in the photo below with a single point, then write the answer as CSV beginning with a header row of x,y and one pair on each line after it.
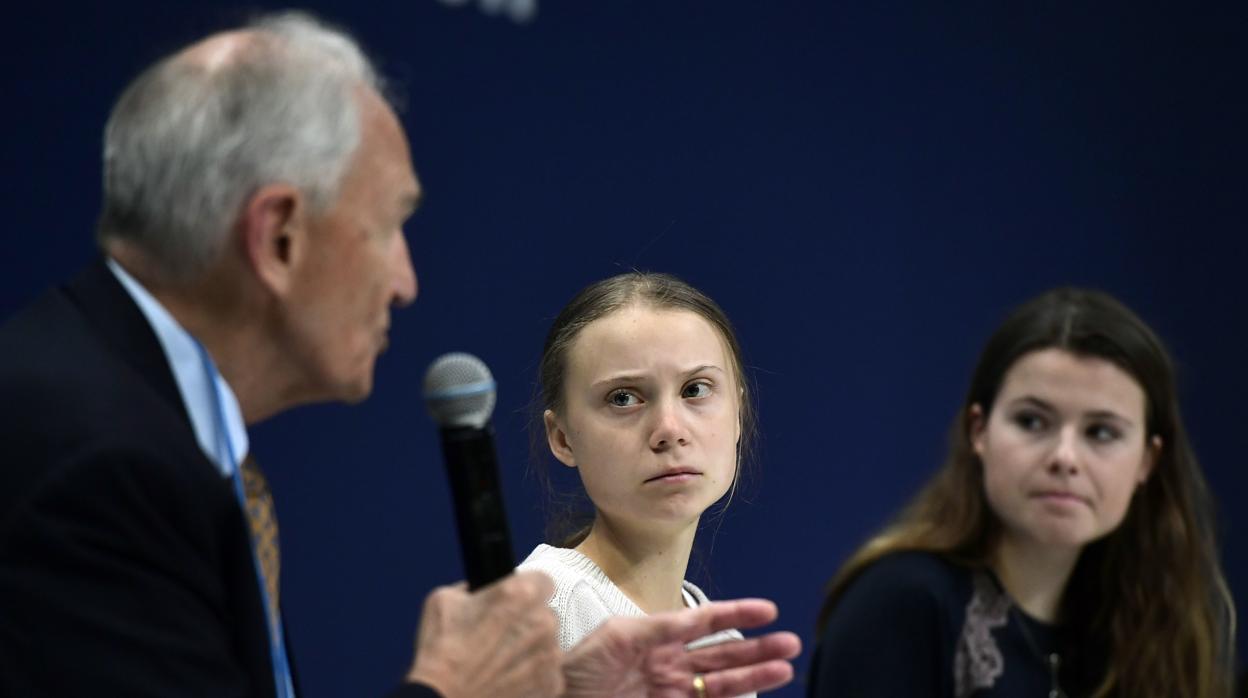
x,y
226,455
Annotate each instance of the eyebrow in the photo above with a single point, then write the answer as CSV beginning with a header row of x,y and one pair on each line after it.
x,y
637,377
1095,414
1034,402
1110,415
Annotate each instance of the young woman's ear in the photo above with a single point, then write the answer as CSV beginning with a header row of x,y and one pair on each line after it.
x,y
740,414
977,424
1152,454
557,439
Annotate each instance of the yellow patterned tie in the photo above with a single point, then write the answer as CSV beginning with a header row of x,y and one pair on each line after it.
x,y
263,529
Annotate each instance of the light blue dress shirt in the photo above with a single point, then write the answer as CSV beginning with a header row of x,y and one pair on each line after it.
x,y
188,372
191,373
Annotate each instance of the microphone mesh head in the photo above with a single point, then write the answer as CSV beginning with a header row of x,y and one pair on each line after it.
x,y
459,391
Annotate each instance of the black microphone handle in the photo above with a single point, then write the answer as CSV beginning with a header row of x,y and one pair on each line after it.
x,y
472,468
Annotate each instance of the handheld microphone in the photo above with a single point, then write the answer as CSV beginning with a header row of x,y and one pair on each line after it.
x,y
460,395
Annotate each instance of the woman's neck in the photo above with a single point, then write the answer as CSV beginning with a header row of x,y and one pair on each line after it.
x,y
1035,576
649,567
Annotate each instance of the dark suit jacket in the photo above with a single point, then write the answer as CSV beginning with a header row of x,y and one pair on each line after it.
x,y
125,562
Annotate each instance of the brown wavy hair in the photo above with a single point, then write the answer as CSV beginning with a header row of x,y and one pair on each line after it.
x,y
1150,597
567,513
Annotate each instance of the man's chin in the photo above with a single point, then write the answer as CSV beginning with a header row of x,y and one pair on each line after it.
x,y
355,388
345,385
356,393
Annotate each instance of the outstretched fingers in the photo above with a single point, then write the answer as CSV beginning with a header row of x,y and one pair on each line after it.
x,y
781,645
691,624
750,679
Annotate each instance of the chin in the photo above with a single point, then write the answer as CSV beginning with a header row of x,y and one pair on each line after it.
x,y
350,391
677,514
356,386
355,398
357,393
1060,537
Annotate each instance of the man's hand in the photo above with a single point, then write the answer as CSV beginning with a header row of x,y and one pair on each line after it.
x,y
497,642
635,657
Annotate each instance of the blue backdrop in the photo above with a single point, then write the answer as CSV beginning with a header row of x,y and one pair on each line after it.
x,y
865,191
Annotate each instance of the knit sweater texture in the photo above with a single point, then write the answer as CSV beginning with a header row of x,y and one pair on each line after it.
x,y
585,597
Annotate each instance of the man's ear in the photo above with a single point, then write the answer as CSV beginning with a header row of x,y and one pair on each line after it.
x,y
557,439
977,424
274,234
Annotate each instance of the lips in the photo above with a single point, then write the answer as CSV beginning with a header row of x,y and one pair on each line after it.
x,y
1061,496
675,475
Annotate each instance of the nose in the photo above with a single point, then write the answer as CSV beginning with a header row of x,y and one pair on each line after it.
x,y
670,429
404,274
1065,457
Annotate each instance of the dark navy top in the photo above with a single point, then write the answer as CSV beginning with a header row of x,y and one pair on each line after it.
x,y
915,624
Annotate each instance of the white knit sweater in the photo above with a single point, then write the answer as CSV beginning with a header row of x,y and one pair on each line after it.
x,y
585,597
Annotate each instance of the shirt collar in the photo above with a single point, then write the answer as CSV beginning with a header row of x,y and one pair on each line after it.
x,y
193,382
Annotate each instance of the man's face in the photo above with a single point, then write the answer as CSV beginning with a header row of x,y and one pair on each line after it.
x,y
356,264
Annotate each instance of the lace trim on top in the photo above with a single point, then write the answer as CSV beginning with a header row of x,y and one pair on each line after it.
x,y
977,661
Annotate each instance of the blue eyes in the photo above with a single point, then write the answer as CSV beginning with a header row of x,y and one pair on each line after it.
x,y
1034,422
696,390
625,397
1103,433
622,398
1030,421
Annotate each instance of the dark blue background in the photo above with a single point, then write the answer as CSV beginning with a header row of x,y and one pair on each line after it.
x,y
866,191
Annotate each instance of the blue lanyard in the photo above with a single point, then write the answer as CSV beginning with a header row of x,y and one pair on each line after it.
x,y
225,454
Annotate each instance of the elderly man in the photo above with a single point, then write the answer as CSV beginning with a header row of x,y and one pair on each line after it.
x,y
256,185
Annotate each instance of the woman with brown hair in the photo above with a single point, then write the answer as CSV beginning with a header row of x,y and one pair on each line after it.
x,y
1067,544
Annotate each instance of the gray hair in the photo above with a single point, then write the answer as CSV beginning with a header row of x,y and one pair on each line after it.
x,y
187,142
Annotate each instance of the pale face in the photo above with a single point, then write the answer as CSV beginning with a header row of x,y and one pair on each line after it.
x,y
1064,449
357,266
651,416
